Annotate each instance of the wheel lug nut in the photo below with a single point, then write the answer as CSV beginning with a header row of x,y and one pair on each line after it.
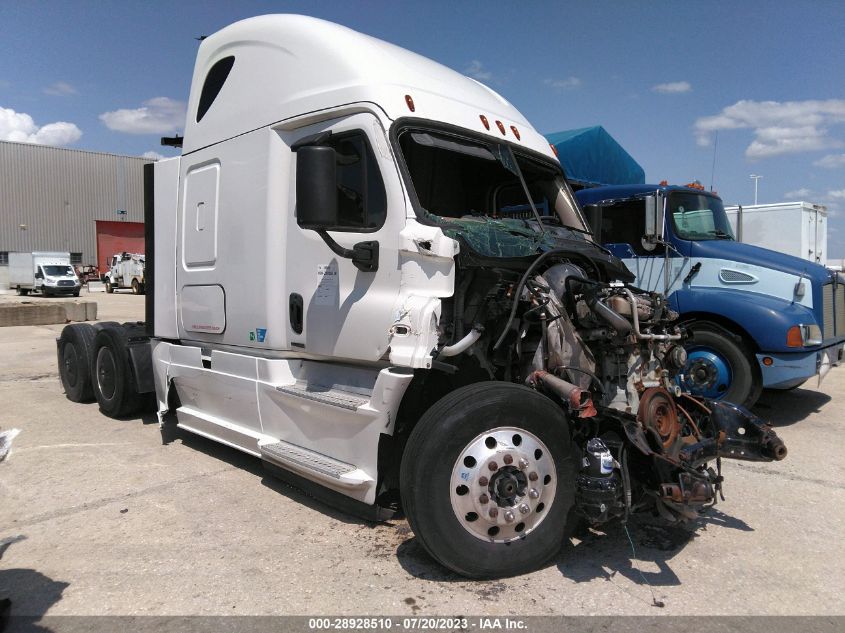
x,y
509,517
493,466
484,499
533,493
523,464
494,512
532,476
483,481
524,508
507,459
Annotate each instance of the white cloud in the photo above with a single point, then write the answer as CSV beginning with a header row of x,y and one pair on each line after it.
x,y
152,155
20,127
60,89
570,83
157,116
838,194
831,161
779,127
476,71
798,194
673,87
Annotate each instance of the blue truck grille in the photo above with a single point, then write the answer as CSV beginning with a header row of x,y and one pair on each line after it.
x,y
66,283
833,310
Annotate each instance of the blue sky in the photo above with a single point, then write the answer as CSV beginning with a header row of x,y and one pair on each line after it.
x,y
666,79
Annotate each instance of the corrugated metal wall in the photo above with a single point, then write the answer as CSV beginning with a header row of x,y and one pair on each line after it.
x,y
50,197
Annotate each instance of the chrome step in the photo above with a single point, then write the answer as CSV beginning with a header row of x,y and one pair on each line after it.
x,y
310,462
324,395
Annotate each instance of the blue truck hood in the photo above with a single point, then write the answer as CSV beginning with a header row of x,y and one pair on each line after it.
x,y
748,254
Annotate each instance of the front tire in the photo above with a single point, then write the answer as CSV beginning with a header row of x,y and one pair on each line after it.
x,y
487,480
720,368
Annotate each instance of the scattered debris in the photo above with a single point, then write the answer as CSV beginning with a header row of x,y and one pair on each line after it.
x,y
6,438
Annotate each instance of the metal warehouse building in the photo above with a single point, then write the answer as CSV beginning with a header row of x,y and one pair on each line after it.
x,y
88,204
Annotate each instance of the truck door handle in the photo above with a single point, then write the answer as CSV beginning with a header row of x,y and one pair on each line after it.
x,y
295,312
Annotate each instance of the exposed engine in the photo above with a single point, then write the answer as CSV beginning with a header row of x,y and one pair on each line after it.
x,y
611,355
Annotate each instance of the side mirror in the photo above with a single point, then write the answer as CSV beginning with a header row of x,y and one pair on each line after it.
x,y
316,187
653,224
317,203
593,213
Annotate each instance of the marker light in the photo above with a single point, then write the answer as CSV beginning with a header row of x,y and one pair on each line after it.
x,y
501,126
768,361
484,121
803,336
515,132
410,101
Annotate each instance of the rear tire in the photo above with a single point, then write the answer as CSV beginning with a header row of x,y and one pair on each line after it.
x,y
136,287
721,368
112,380
451,521
76,344
109,287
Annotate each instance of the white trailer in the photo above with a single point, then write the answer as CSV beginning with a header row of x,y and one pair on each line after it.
x,y
45,272
794,228
126,270
349,278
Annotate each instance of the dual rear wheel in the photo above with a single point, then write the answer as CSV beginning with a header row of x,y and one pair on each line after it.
x,y
94,364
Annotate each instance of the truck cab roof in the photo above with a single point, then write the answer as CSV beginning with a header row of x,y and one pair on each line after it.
x,y
621,192
267,69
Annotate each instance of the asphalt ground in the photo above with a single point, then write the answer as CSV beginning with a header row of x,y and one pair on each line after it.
x,y
97,517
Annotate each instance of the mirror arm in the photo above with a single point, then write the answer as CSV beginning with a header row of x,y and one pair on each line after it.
x,y
364,255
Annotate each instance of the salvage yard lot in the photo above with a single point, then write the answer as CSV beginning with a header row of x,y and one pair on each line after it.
x,y
98,517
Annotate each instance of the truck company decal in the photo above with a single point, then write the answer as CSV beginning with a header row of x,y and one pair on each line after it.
x,y
258,334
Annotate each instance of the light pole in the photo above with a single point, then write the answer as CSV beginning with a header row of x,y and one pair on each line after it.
x,y
755,178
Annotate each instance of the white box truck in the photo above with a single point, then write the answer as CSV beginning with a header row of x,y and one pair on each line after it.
x,y
349,277
794,228
50,274
126,270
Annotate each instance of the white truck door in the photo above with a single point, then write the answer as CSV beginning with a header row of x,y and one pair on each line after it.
x,y
336,310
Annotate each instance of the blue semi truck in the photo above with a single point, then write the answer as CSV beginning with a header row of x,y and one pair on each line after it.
x,y
757,318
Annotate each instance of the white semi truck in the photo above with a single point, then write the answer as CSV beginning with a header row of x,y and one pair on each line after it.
x,y
48,273
126,270
349,277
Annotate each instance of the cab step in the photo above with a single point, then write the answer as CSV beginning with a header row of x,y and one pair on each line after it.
x,y
325,395
314,464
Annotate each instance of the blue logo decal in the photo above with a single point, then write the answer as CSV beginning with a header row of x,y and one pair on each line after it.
x,y
260,333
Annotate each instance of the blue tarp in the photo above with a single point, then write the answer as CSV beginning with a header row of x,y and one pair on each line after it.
x,y
591,156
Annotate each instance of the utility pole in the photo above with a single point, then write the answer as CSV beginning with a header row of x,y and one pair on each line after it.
x,y
755,178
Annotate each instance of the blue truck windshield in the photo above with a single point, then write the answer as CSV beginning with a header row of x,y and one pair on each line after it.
x,y
699,217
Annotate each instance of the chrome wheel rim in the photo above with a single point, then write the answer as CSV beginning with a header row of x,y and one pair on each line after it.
x,y
503,484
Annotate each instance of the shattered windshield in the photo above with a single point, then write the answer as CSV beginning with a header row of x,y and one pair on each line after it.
x,y
460,178
699,217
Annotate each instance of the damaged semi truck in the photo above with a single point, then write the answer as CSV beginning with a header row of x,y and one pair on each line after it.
x,y
368,271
